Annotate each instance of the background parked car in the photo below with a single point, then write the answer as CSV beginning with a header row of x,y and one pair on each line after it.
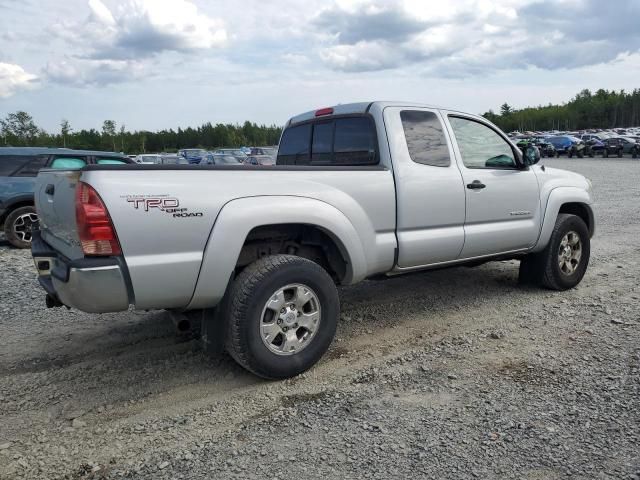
x,y
193,155
264,160
236,152
18,168
562,143
270,151
613,146
173,160
147,158
215,159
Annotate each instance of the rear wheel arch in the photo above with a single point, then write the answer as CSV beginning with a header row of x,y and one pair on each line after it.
x,y
14,205
309,241
240,217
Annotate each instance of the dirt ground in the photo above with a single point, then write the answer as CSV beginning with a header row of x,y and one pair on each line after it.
x,y
456,373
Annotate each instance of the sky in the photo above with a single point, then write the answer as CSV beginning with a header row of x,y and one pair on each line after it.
x,y
154,64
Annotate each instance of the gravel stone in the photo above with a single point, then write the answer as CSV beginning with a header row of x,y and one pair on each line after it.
x,y
547,384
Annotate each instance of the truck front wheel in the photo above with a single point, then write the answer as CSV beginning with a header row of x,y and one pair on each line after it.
x,y
563,263
282,315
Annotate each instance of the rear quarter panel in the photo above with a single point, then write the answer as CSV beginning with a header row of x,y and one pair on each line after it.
x,y
164,252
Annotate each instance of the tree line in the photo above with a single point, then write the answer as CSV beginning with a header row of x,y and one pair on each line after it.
x,y
19,129
603,109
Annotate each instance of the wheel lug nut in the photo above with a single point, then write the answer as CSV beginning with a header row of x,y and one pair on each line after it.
x,y
283,310
279,321
284,329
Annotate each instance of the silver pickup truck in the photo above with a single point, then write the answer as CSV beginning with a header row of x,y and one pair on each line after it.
x,y
358,191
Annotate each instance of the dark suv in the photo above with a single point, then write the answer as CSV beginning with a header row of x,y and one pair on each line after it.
x,y
613,146
18,168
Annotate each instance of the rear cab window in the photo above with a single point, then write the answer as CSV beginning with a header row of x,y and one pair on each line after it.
x,y
338,141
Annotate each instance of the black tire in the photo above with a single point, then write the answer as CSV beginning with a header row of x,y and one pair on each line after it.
x,y
20,235
620,153
605,153
248,297
543,269
580,154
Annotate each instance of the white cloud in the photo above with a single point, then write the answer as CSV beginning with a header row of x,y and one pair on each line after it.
x,y
83,71
13,78
141,28
471,37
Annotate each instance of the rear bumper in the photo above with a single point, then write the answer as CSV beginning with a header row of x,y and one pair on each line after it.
x,y
94,285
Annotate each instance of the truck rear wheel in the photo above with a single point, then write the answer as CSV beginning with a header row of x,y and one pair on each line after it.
x,y
19,226
563,263
282,315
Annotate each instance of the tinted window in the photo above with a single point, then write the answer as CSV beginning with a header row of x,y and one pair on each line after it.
x,y
32,168
11,163
480,146
294,145
68,163
354,142
322,143
110,161
425,138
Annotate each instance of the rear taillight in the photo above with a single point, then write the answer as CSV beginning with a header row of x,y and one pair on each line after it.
x,y
95,229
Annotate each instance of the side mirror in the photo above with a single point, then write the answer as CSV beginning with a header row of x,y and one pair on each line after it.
x,y
531,155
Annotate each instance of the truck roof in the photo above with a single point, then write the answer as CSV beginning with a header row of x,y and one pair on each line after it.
x,y
51,151
355,108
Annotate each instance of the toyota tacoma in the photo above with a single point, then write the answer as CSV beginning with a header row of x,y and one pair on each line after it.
x,y
365,190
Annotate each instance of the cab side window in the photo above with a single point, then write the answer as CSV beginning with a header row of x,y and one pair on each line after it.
x,y
425,138
480,146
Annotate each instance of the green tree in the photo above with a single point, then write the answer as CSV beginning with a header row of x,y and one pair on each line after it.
x,y
65,130
109,132
20,127
505,109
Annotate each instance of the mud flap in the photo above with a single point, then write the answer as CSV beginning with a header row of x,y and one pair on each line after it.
x,y
212,328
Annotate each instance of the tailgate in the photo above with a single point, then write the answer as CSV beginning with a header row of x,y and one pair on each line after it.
x,y
55,197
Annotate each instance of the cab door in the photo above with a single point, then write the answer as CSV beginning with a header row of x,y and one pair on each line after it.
x,y
430,195
502,199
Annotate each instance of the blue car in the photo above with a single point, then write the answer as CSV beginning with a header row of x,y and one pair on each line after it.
x,y
193,155
570,146
18,170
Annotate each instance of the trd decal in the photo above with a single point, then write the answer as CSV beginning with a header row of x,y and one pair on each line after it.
x,y
163,203
154,202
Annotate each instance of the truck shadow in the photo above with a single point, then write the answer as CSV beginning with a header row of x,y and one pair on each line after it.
x,y
136,356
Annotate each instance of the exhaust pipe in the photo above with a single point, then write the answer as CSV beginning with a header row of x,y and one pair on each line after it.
x,y
181,321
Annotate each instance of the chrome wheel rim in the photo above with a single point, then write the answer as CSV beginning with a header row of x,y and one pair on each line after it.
x,y
290,319
569,253
24,225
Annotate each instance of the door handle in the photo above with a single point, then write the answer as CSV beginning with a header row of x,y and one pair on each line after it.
x,y
50,189
476,185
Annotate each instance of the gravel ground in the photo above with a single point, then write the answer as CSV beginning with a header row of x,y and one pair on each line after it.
x,y
457,373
